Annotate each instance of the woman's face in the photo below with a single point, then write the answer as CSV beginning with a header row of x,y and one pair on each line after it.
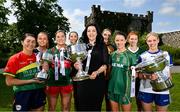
x,y
29,43
73,38
91,33
60,38
152,42
106,35
120,41
42,40
133,40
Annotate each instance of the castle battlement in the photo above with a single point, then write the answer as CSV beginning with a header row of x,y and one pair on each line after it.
x,y
120,20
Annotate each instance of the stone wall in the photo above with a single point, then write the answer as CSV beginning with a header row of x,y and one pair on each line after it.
x,y
171,39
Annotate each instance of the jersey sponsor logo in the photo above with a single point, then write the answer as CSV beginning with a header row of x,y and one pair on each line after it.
x,y
18,107
22,62
117,65
166,100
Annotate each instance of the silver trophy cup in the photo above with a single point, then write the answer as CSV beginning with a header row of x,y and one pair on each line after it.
x,y
78,53
42,74
156,66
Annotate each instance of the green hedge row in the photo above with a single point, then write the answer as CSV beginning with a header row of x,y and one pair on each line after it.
x,y
174,52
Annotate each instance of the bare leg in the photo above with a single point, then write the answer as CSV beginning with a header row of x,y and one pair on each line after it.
x,y
161,108
40,109
52,102
114,106
126,108
66,102
147,106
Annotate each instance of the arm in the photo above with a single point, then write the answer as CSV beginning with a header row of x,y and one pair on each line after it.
x,y
11,81
105,62
98,71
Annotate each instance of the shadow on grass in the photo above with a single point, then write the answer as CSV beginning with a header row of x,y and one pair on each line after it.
x,y
6,94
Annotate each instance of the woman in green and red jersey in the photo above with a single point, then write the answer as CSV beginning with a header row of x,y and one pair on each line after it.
x,y
59,82
20,73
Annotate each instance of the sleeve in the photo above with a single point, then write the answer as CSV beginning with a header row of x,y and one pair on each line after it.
x,y
11,67
105,55
170,60
139,59
166,70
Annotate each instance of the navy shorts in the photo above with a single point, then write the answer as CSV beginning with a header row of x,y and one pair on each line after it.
x,y
159,99
27,100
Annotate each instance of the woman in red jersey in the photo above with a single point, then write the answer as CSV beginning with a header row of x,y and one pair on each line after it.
x,y
20,73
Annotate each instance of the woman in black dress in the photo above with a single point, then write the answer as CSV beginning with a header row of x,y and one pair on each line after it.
x,y
88,94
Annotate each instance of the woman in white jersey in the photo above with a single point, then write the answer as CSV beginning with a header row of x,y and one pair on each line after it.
x,y
146,94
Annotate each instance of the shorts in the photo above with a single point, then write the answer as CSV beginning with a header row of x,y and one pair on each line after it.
x,y
55,90
159,99
123,100
27,100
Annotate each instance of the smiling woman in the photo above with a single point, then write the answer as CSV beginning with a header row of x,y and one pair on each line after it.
x,y
20,72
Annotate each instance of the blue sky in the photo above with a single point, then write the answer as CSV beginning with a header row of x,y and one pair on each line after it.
x,y
166,12
166,16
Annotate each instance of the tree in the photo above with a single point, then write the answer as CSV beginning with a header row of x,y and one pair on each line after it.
x,y
34,16
3,16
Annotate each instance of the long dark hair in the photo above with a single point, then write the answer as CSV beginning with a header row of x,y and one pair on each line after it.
x,y
99,38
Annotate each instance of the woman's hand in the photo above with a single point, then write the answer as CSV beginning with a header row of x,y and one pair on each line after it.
x,y
153,76
45,66
94,75
36,81
141,75
77,65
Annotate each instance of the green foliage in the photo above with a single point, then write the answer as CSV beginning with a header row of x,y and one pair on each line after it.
x,y
10,44
174,52
35,16
3,16
142,41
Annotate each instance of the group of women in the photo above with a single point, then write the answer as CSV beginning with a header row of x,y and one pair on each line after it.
x,y
109,69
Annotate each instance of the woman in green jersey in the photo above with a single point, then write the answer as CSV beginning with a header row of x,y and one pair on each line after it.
x,y
119,87
133,48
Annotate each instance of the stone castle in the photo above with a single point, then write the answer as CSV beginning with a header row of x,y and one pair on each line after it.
x,y
124,22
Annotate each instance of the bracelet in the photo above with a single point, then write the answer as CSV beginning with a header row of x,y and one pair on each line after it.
x,y
97,72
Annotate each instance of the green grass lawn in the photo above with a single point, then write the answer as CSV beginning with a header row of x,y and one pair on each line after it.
x,y
6,96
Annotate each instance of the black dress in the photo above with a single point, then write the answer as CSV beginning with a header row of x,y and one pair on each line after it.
x,y
88,94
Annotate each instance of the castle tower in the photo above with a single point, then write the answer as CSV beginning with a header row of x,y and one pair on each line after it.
x,y
125,22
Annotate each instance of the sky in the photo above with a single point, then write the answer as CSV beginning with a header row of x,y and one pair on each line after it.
x,y
166,16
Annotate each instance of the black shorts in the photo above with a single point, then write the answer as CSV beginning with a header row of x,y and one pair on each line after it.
x,y
27,100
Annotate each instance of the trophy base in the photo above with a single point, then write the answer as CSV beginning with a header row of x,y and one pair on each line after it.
x,y
81,78
162,86
40,79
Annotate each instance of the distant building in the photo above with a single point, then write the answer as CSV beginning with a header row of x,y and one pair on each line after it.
x,y
124,22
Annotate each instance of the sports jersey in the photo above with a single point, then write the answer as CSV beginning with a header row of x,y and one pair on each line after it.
x,y
135,54
62,80
24,67
145,85
120,75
